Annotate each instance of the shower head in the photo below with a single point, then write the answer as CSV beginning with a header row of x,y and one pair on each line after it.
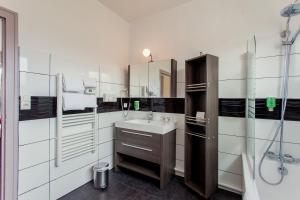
x,y
291,10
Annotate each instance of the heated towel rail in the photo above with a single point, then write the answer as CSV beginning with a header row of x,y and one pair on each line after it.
x,y
75,133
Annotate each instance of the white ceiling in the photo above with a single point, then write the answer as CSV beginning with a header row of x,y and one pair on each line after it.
x,y
131,10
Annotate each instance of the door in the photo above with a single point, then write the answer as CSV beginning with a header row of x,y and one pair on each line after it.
x,y
9,109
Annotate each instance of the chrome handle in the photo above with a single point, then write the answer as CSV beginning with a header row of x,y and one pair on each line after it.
x,y
134,133
196,135
137,147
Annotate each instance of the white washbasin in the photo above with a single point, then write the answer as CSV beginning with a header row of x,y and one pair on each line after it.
x,y
151,126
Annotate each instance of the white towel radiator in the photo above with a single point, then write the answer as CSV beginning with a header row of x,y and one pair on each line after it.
x,y
75,133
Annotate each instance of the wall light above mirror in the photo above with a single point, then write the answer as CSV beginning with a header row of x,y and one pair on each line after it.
x,y
147,53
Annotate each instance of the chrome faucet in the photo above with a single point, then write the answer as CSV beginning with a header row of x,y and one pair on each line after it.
x,y
150,116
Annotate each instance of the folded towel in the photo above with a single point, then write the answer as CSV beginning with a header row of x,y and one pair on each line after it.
x,y
73,101
90,101
72,84
90,83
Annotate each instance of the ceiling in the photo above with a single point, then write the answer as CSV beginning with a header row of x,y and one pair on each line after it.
x,y
132,10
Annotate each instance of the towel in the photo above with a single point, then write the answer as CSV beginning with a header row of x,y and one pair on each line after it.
x,y
73,101
90,83
90,101
72,84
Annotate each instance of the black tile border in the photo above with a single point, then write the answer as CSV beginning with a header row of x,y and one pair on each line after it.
x,y
232,107
45,107
236,108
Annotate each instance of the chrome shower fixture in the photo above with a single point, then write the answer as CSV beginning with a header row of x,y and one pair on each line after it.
x,y
291,10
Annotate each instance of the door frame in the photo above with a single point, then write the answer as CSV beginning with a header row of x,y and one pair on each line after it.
x,y
10,107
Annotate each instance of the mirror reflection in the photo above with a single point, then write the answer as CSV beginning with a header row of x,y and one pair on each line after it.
x,y
153,79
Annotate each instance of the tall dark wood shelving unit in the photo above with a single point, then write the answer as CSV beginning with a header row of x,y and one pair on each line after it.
x,y
201,136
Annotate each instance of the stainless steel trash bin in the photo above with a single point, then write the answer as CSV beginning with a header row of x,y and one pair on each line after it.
x,y
101,173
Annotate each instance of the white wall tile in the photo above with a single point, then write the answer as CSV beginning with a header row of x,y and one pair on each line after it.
x,y
232,67
230,163
180,165
294,92
273,66
180,90
231,144
180,137
33,131
268,87
232,89
110,74
29,86
33,154
34,61
271,87
33,177
269,67
106,149
106,134
72,165
230,180
232,126
111,89
66,184
265,129
181,71
179,152
40,193
53,92
52,128
268,44
135,91
74,66
108,119
179,120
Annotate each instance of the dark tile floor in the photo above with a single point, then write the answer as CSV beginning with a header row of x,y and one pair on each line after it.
x,y
130,186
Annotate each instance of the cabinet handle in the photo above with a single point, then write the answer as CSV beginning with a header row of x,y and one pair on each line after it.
x,y
196,135
134,133
136,147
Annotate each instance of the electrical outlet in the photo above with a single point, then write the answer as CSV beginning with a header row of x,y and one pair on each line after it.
x,y
25,102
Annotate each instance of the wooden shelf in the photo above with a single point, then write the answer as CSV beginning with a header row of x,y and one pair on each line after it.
x,y
139,169
198,87
196,188
195,123
201,151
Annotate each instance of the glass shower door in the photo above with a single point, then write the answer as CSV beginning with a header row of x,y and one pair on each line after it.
x,y
250,103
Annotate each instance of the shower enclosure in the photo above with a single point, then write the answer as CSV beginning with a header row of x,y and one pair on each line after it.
x,y
250,103
280,155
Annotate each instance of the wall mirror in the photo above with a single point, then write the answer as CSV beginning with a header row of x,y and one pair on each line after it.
x,y
155,79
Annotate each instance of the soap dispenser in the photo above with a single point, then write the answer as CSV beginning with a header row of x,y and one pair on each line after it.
x,y
271,103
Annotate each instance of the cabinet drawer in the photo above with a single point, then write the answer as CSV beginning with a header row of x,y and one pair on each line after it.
x,y
139,151
139,138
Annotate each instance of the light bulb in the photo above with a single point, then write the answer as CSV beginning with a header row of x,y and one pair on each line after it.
x,y
146,52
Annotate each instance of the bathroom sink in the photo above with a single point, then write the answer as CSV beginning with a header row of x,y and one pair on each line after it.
x,y
151,126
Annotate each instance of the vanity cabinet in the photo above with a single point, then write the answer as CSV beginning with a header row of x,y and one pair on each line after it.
x,y
150,154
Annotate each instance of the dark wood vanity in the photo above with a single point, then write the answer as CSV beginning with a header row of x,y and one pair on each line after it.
x,y
150,154
201,135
